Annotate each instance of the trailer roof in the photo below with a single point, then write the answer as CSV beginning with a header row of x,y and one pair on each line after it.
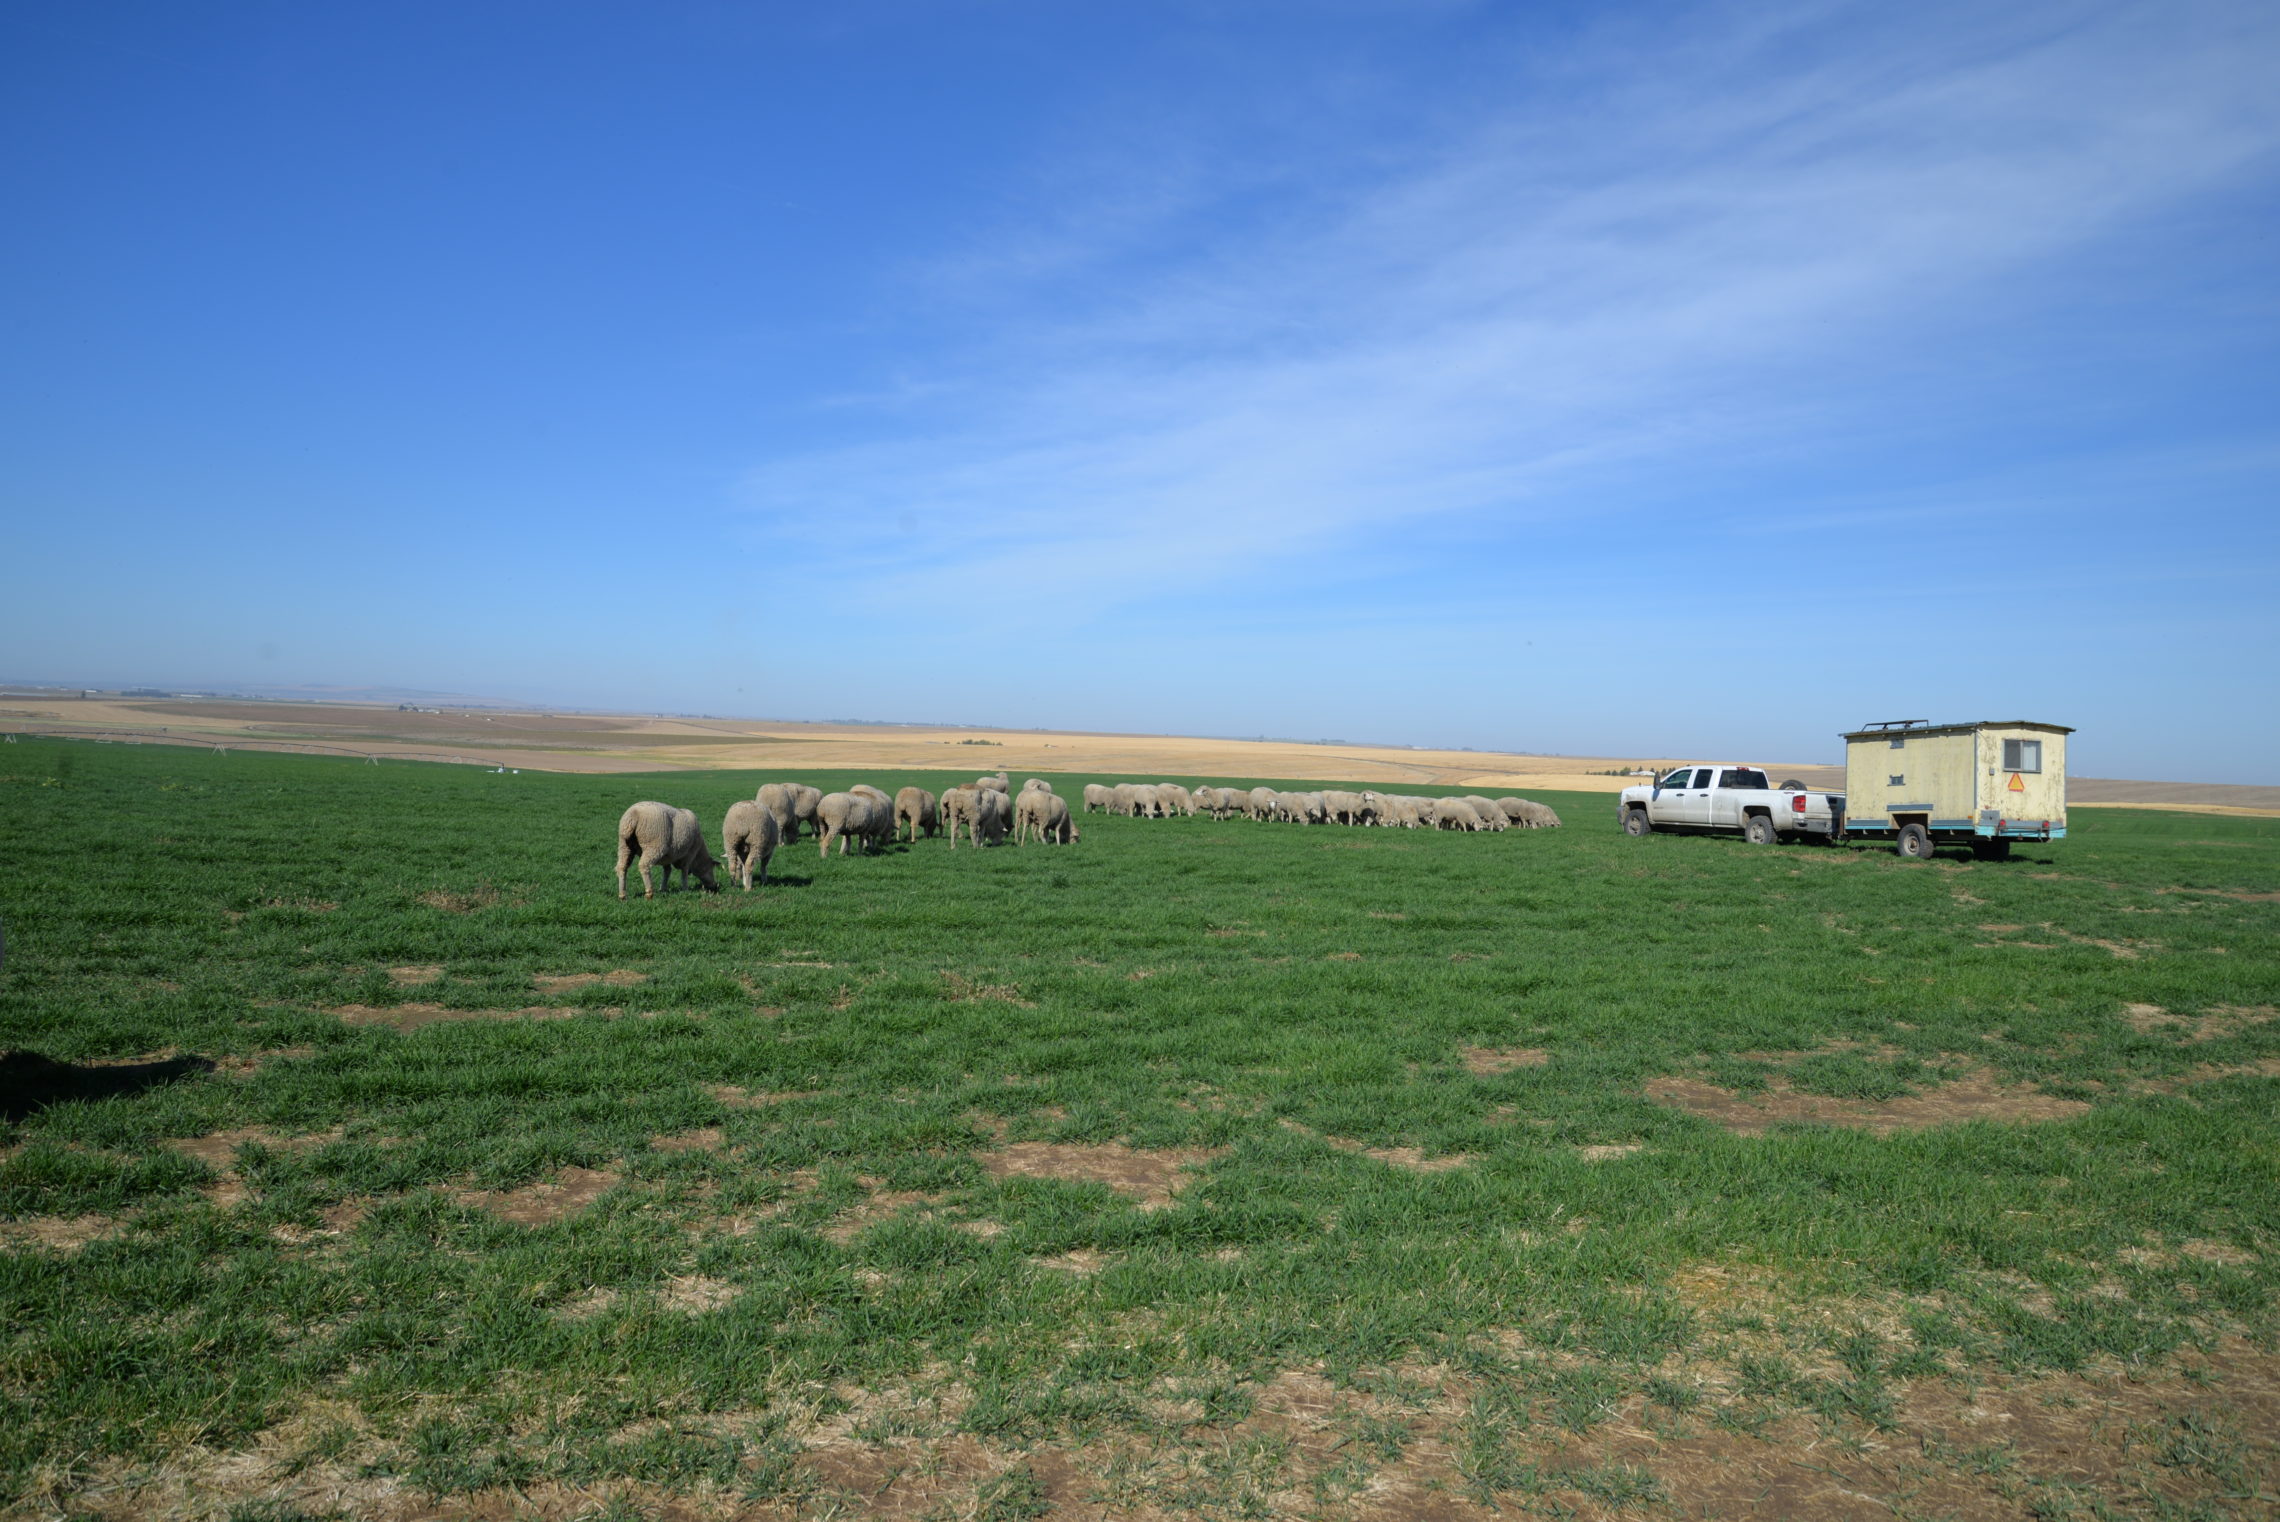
x,y
1893,728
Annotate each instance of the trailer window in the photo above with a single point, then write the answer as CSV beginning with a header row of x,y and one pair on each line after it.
x,y
2022,755
1743,777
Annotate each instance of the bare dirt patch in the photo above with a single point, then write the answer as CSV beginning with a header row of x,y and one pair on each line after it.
x,y
415,975
413,1014
696,1295
452,901
708,1139
218,1149
1603,1152
57,1233
1150,1179
1974,1097
1487,1060
541,1204
2218,1021
959,989
1081,1261
569,982
754,1099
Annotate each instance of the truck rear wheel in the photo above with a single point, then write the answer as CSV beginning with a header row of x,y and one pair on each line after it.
x,y
1636,823
1758,830
1915,842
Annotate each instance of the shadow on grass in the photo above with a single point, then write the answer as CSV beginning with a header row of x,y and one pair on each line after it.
x,y
30,1082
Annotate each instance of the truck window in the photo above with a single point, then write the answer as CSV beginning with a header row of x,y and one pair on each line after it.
x,y
2022,755
1677,778
1744,777
1702,776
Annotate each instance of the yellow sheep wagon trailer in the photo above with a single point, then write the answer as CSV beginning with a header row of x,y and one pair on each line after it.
x,y
1922,785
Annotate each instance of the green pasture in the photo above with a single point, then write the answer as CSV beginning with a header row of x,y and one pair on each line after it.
x,y
1272,1001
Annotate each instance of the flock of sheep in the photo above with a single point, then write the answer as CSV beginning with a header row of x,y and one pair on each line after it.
x,y
1394,810
986,810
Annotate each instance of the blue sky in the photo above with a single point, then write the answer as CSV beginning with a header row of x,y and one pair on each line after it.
x,y
1607,379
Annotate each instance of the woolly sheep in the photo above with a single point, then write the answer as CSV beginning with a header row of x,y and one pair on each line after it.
x,y
876,795
1037,785
1534,815
1147,801
1175,799
1454,814
1491,817
998,782
1099,796
992,815
777,800
661,835
748,837
852,814
1342,807
915,807
805,801
1261,804
1044,815
957,810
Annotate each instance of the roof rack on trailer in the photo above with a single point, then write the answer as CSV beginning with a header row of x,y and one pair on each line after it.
x,y
1896,724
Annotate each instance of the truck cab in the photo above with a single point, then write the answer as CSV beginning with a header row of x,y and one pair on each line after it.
x,y
1728,798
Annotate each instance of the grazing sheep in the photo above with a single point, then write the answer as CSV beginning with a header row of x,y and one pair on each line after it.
x,y
662,835
1455,814
805,801
1533,815
1037,785
1342,807
1491,817
853,814
999,782
1261,804
915,807
865,790
1044,815
777,800
1219,802
957,810
990,815
1099,796
1175,799
748,836
1147,801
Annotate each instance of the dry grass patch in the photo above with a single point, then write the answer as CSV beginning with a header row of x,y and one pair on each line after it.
x,y
415,975
413,1014
706,1139
959,989
696,1295
1149,1179
541,1204
1976,1096
754,1099
1606,1151
218,1149
1486,1061
2218,1021
65,1234
453,902
569,982
1081,1261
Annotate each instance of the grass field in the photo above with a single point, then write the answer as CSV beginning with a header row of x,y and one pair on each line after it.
x,y
1194,1170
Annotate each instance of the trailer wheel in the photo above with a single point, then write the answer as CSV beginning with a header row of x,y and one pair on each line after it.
x,y
1636,823
1992,850
1758,830
1915,842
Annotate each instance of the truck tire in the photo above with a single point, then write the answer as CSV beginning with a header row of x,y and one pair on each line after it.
x,y
1636,823
1758,830
1915,842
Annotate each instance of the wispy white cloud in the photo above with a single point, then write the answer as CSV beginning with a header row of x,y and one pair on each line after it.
x,y
1655,249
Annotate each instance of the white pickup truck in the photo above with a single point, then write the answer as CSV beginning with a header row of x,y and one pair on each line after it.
x,y
1726,798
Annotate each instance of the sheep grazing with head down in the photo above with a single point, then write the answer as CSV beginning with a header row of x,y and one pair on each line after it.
x,y
1455,814
779,801
915,807
1000,782
1044,816
660,835
1037,785
853,815
1528,813
1491,817
1261,803
1099,796
1175,800
984,812
748,838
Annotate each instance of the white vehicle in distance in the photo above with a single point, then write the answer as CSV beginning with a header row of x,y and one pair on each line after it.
x,y
1725,798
